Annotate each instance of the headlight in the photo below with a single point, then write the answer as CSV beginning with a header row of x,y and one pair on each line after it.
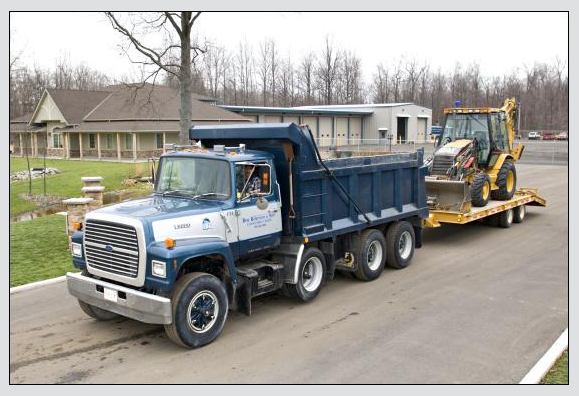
x,y
158,269
76,249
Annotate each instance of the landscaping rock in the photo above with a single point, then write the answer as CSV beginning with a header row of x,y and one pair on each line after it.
x,y
34,173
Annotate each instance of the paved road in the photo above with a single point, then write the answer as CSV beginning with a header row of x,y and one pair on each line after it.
x,y
478,305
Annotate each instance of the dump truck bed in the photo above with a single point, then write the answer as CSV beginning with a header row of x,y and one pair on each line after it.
x,y
523,196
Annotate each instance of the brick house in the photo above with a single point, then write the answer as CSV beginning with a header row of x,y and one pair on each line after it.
x,y
120,121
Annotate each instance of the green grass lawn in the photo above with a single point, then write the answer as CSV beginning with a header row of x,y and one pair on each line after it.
x,y
559,373
68,184
38,250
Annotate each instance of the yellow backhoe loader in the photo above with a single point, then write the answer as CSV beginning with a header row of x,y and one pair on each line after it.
x,y
475,157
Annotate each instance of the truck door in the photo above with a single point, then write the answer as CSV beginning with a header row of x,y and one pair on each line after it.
x,y
258,207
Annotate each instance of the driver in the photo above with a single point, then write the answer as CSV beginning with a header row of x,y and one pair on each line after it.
x,y
254,185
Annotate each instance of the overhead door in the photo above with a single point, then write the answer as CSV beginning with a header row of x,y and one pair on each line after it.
x,y
421,135
294,119
313,124
341,131
355,130
325,132
272,118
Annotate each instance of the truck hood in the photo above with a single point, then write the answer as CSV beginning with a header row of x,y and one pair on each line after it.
x,y
156,207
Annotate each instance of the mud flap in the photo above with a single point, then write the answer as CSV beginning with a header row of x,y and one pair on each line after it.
x,y
448,195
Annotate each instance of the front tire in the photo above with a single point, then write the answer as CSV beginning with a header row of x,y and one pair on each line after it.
x,y
400,241
97,313
311,276
371,255
200,309
480,190
506,182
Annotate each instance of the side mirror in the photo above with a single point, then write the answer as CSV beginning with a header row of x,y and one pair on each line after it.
x,y
153,170
437,141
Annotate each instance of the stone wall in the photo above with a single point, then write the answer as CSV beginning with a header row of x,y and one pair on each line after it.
x,y
149,153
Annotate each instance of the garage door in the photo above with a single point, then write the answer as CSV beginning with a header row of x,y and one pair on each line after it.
x,y
272,118
355,130
325,138
313,124
421,135
294,119
341,131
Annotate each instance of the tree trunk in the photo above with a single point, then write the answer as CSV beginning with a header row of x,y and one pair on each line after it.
x,y
185,78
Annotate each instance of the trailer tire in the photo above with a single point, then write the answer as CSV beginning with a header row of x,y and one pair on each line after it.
x,y
371,255
97,313
506,182
200,309
519,213
311,276
480,190
505,218
400,241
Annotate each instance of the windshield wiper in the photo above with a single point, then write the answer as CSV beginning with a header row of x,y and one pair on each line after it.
x,y
176,192
209,194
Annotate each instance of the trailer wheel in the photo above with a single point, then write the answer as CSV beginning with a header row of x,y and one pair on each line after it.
x,y
199,310
311,276
96,312
481,190
371,255
519,213
506,182
400,241
505,218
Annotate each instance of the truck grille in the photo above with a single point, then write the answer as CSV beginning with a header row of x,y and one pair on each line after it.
x,y
441,165
112,247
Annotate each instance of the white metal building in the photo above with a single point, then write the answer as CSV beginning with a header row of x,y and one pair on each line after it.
x,y
350,124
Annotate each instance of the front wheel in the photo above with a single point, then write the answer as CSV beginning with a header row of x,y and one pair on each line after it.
x,y
311,276
200,308
400,244
480,190
96,312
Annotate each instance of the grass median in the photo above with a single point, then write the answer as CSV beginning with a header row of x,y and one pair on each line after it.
x,y
38,250
68,183
559,373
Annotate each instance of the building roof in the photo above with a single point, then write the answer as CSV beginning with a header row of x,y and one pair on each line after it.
x,y
203,98
358,106
138,125
158,103
75,105
305,110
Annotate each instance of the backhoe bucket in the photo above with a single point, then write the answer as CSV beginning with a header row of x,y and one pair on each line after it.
x,y
448,195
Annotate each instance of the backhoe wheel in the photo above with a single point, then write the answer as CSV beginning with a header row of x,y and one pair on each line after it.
x,y
506,182
311,276
480,189
400,244
199,310
519,213
372,255
96,312
505,218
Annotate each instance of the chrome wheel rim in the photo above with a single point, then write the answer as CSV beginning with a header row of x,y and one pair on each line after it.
x,y
374,255
405,245
522,212
312,274
509,216
203,311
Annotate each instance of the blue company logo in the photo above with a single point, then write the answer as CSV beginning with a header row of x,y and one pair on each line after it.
x,y
206,224
109,248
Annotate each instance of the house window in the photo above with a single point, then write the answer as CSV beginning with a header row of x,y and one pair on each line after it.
x,y
91,141
159,140
128,141
110,144
57,140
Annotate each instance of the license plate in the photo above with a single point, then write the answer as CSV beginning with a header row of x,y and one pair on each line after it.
x,y
111,295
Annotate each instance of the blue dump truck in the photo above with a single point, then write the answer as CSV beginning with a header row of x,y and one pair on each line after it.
x,y
251,209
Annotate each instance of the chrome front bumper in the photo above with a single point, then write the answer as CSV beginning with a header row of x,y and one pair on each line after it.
x,y
136,305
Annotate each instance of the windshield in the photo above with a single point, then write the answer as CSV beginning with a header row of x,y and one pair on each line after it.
x,y
466,126
196,177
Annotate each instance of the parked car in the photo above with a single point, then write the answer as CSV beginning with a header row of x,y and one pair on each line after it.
x,y
563,136
548,136
534,136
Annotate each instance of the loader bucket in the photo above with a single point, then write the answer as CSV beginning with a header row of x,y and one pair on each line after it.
x,y
448,195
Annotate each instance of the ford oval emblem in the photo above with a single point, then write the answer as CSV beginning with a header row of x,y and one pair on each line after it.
x,y
109,248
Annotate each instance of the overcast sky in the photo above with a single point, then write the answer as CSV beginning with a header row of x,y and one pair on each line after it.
x,y
500,42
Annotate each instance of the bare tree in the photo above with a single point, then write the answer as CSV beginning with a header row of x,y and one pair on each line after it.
x,y
327,71
306,77
174,56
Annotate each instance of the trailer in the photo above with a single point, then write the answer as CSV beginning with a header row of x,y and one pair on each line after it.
x,y
500,213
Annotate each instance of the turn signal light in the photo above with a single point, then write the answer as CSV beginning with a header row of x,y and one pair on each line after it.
x,y
77,226
169,243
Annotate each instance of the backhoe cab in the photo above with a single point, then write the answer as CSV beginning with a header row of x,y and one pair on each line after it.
x,y
474,157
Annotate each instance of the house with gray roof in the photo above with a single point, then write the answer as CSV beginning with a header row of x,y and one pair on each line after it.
x,y
121,121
